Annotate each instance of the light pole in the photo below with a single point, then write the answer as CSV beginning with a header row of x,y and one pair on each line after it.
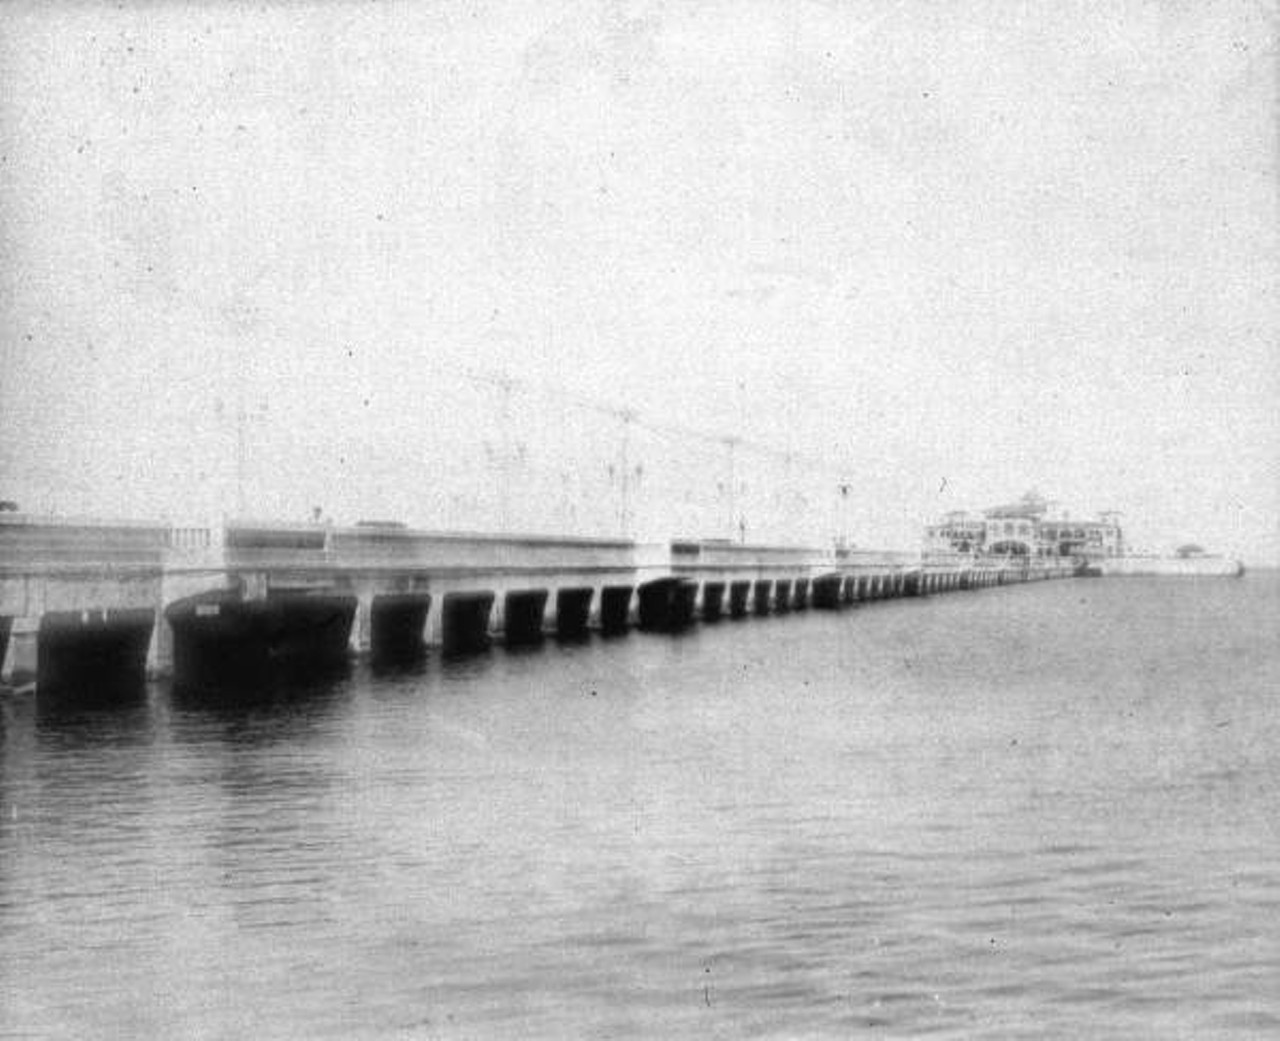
x,y
731,443
627,416
842,519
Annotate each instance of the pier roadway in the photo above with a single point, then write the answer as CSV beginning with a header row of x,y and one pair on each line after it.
x,y
91,602
731,579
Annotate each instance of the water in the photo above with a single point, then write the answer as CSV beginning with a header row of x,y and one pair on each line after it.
x,y
1037,811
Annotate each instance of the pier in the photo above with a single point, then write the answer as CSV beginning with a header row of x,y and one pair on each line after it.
x,y
104,602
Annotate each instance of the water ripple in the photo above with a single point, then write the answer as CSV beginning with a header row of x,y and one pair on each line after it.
x,y
881,825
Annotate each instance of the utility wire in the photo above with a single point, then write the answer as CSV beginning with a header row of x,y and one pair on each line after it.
x,y
625,413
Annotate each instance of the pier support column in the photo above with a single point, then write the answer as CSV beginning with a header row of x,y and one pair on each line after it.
x,y
523,616
712,601
667,604
763,596
362,624
220,637
464,622
573,612
615,609
684,603
160,652
739,592
6,627
397,625
782,595
800,594
828,592
91,651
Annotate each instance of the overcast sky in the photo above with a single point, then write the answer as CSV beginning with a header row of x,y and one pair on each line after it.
x,y
265,257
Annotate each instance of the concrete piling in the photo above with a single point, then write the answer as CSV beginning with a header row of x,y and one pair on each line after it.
x,y
523,614
397,622
615,609
573,611
465,622
712,601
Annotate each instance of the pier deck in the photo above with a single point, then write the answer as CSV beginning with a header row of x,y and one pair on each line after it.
x,y
90,598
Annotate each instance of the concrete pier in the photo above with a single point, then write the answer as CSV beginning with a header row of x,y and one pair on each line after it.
x,y
86,601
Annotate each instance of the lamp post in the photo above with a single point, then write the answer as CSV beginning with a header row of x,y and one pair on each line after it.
x,y
731,443
626,416
842,519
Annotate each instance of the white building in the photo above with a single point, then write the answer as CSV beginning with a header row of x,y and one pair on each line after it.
x,y
1030,527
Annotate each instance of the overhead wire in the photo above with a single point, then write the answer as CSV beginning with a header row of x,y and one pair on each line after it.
x,y
637,417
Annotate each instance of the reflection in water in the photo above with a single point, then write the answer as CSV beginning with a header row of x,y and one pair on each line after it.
x,y
279,689
1030,811
91,699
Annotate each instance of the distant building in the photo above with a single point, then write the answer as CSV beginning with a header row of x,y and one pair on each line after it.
x,y
1030,527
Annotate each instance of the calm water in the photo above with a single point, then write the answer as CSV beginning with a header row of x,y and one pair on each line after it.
x,y
1038,811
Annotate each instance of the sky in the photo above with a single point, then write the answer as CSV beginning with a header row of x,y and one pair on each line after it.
x,y
781,272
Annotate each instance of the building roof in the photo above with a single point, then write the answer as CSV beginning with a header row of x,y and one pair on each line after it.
x,y
1031,506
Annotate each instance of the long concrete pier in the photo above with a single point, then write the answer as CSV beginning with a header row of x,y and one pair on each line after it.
x,y
97,602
